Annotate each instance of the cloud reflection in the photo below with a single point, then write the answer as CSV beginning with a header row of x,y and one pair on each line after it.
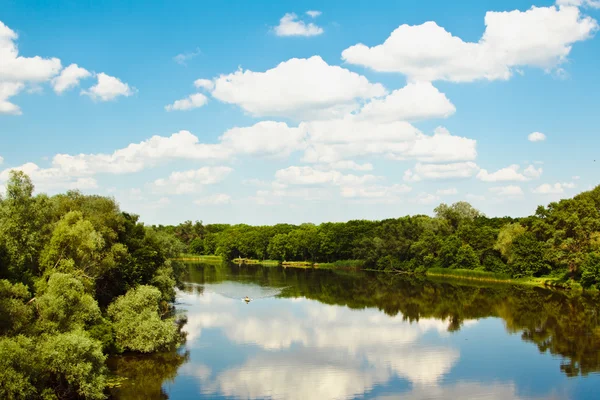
x,y
312,350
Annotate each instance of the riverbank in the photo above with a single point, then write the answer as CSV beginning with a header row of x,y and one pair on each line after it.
x,y
445,273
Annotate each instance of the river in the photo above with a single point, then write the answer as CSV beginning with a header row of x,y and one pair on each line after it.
x,y
319,334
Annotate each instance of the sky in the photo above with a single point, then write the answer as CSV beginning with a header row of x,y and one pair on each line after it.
x,y
302,111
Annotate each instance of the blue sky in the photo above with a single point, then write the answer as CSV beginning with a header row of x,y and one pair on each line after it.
x,y
368,110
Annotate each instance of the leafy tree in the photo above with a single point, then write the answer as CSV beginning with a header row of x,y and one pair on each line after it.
x,y
15,313
466,258
505,239
137,323
64,305
528,257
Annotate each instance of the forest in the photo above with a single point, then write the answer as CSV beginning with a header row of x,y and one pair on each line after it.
x,y
79,280
561,240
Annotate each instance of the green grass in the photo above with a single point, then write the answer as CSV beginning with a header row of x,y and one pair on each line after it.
x,y
468,274
342,264
199,258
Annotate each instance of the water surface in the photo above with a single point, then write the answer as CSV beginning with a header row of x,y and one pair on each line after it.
x,y
313,334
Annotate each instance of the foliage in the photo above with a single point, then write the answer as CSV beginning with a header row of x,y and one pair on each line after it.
x,y
63,260
137,323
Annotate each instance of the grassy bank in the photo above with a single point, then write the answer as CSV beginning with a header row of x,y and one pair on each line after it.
x,y
552,282
446,273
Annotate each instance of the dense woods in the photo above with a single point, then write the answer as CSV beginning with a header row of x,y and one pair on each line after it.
x,y
561,240
79,280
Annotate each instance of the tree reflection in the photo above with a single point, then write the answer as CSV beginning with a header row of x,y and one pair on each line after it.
x,y
141,377
562,323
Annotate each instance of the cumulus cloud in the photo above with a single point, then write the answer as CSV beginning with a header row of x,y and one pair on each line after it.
x,y
440,171
69,78
191,181
510,173
264,138
556,188
536,137
297,88
213,200
415,101
507,191
196,100
539,37
313,13
16,68
204,84
533,172
51,179
18,72
7,90
290,25
108,88
426,198
340,139
137,156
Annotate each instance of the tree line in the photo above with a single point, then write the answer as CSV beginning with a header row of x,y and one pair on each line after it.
x,y
561,240
79,280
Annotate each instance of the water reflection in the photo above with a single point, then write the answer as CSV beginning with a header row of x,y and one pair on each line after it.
x,y
330,335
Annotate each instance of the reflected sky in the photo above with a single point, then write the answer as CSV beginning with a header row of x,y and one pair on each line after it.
x,y
297,348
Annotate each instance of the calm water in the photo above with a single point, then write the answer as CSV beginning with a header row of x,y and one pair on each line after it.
x,y
310,334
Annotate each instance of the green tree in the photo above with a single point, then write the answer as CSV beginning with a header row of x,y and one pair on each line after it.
x,y
466,258
137,323
64,305
15,313
506,237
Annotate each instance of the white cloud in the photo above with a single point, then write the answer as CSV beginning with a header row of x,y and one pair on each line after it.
x,y
533,172
296,88
440,171
442,147
415,101
108,88
579,3
216,199
182,58
375,191
313,13
193,101
536,137
1,160
16,68
51,179
204,84
69,78
447,192
510,173
426,198
137,156
264,138
539,37
192,181
340,139
507,191
7,90
556,188
290,25
576,178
